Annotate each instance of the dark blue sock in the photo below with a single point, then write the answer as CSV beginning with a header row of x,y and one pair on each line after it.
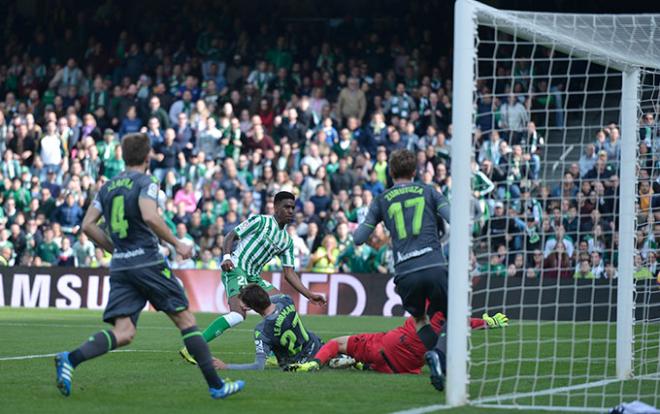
x,y
199,349
98,344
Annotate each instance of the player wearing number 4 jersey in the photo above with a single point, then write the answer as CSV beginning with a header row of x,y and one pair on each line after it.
x,y
414,214
281,331
260,239
138,272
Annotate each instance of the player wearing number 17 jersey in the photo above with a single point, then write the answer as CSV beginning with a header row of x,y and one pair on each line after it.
x,y
281,331
414,214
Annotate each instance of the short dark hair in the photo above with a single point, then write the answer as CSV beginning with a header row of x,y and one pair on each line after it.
x,y
135,148
255,297
283,195
403,164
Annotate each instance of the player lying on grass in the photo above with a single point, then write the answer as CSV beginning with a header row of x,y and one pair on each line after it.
x,y
399,351
261,238
281,331
138,272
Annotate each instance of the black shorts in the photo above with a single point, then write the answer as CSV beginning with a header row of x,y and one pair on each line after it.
x,y
421,287
130,290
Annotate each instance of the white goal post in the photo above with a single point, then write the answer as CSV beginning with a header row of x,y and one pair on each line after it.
x,y
595,71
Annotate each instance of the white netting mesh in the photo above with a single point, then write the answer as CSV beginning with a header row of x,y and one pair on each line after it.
x,y
545,245
621,40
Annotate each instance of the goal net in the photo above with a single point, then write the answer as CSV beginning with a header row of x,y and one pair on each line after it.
x,y
557,114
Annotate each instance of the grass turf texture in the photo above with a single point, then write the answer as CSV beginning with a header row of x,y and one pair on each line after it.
x,y
150,376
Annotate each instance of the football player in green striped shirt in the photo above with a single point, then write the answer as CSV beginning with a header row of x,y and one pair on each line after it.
x,y
260,239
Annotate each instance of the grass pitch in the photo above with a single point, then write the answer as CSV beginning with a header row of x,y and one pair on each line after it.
x,y
150,377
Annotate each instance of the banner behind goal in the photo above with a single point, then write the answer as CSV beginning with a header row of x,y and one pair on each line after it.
x,y
557,116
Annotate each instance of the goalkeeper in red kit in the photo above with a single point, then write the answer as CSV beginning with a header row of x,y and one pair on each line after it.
x,y
399,351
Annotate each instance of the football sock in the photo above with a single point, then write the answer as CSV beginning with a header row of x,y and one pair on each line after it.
x,y
477,323
97,344
327,352
221,324
199,349
441,347
428,337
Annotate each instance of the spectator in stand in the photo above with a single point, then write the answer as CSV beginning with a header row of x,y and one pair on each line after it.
x,y
352,101
325,257
113,165
131,123
260,141
587,159
166,156
187,197
69,215
400,105
66,257
67,77
23,145
513,119
83,251
47,250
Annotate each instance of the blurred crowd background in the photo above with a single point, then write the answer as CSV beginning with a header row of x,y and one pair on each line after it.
x,y
243,100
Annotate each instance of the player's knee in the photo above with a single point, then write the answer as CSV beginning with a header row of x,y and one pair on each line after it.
x,y
124,334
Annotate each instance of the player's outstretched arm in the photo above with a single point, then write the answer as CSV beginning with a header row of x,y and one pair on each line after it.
x,y
294,280
94,232
258,365
261,354
149,211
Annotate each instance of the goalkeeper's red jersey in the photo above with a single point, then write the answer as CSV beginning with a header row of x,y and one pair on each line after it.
x,y
403,349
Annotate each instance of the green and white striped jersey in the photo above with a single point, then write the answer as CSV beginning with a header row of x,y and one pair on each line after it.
x,y
261,239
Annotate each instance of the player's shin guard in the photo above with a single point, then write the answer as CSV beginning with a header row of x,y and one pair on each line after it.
x,y
221,324
199,349
97,344
327,352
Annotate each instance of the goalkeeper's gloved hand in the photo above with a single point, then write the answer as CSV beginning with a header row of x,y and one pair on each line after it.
x,y
499,320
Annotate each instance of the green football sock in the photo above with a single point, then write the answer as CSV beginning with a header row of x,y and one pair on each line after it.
x,y
221,324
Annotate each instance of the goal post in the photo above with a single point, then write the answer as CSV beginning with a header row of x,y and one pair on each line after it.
x,y
459,241
570,258
626,287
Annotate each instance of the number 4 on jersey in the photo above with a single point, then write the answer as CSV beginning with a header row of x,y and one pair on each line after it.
x,y
118,224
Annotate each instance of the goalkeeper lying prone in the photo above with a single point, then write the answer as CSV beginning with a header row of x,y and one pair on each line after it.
x,y
399,351
282,333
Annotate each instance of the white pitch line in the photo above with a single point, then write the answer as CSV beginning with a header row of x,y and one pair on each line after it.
x,y
483,402
159,351
427,409
543,408
140,328
560,390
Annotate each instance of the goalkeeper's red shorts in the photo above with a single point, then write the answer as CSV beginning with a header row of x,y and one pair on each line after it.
x,y
371,349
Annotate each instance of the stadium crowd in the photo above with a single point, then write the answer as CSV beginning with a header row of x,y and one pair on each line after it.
x,y
235,115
